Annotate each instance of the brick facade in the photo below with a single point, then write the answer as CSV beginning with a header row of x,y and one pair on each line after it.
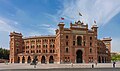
x,y
76,44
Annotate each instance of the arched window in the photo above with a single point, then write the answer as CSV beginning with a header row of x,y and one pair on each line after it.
x,y
90,50
66,36
90,38
66,50
79,40
51,59
67,43
90,43
50,51
73,42
46,51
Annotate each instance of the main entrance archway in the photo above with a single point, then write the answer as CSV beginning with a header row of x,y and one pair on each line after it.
x,y
79,56
51,60
43,59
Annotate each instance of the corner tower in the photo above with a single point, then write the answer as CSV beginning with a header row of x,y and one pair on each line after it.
x,y
107,42
15,46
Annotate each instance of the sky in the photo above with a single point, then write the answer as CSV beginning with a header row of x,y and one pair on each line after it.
x,y
40,17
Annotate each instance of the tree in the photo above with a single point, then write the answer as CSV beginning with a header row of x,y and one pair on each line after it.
x,y
4,53
115,57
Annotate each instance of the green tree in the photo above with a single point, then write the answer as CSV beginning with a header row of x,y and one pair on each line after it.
x,y
4,53
115,57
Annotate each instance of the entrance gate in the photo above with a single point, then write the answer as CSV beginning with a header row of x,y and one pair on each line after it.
x,y
79,56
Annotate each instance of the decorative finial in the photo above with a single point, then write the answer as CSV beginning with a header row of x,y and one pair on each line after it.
x,y
94,21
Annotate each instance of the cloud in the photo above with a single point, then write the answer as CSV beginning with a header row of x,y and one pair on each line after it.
x,y
6,25
51,30
53,17
33,34
44,25
100,10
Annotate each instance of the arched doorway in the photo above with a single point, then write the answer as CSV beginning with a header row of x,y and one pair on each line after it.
x,y
29,59
51,60
43,59
102,59
79,56
23,59
18,59
79,40
99,59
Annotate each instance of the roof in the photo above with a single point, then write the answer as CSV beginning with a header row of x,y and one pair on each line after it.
x,y
42,36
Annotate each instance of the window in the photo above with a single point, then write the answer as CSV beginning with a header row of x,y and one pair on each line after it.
x,y
67,37
39,51
52,40
43,46
66,50
46,51
90,50
90,38
73,43
84,43
53,46
79,40
37,46
67,43
46,46
50,51
43,51
90,43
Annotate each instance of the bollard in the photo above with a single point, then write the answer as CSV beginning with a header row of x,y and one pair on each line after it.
x,y
92,66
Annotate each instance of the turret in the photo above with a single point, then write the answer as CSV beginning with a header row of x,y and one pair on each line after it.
x,y
94,28
15,46
61,26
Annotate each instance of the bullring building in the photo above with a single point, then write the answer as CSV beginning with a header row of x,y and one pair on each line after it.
x,y
76,44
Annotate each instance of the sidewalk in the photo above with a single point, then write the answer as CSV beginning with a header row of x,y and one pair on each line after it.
x,y
48,66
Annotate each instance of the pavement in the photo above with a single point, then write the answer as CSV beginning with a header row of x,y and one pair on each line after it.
x,y
15,66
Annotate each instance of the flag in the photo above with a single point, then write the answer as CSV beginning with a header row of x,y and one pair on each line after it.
x,y
80,14
62,18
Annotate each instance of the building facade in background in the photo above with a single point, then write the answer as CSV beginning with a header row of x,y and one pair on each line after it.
x,y
76,44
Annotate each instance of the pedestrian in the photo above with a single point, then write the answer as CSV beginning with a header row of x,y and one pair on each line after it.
x,y
92,65
114,64
71,64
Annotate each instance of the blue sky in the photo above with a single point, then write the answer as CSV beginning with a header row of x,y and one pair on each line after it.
x,y
40,17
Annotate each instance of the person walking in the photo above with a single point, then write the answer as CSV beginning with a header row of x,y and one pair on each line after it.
x,y
114,64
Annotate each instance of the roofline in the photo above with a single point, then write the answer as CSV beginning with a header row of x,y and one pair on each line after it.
x,y
42,36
